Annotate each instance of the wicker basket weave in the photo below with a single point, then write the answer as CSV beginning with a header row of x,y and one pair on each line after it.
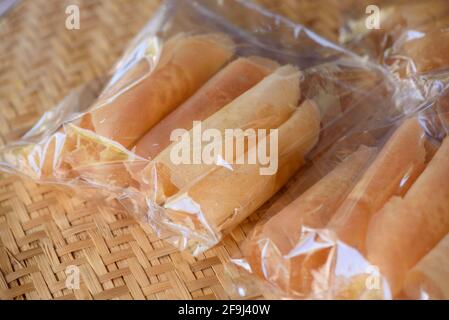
x,y
43,230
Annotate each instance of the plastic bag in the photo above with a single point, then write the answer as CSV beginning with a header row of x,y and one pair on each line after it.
x,y
410,38
232,66
367,220
372,224
310,124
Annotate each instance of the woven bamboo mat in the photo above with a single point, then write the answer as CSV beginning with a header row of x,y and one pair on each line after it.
x,y
43,231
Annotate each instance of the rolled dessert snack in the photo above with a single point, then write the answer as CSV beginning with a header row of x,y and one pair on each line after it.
x,y
215,204
39,161
409,19
350,107
393,171
185,64
83,147
420,36
265,106
94,147
269,250
407,228
428,278
229,83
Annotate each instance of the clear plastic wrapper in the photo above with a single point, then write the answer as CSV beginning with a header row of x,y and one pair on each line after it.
x,y
216,108
378,230
201,203
412,37
428,278
276,84
366,226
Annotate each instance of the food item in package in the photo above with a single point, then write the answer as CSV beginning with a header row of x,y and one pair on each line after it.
x,y
395,168
427,52
428,278
209,118
185,64
236,78
223,198
278,236
407,228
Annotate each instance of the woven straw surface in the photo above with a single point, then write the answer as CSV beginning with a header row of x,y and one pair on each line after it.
x,y
44,230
